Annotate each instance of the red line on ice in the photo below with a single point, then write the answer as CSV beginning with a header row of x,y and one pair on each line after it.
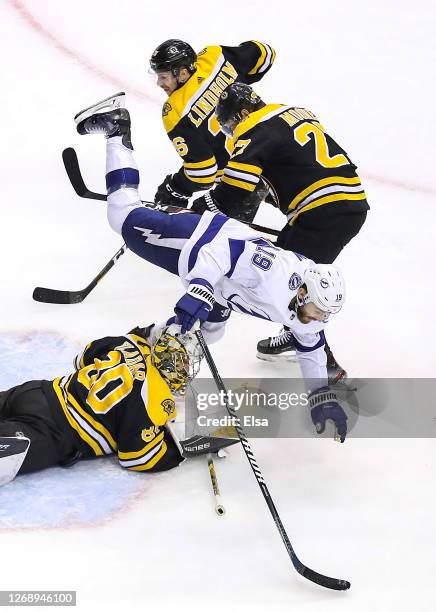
x,y
50,38
37,27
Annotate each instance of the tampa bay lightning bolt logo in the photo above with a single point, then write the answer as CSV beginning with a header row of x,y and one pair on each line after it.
x,y
295,281
324,283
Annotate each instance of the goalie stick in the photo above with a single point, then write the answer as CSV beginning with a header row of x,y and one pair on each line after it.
x,y
72,167
219,508
325,581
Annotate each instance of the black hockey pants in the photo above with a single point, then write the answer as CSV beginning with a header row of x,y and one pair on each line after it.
x,y
25,409
321,237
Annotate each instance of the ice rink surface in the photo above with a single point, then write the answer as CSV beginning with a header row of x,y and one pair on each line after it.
x,y
364,510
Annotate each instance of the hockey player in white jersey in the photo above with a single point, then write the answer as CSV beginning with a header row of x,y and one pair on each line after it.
x,y
223,264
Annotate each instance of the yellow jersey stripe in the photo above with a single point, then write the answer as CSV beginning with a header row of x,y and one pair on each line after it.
x,y
237,183
201,164
246,167
82,358
254,118
205,180
82,433
273,57
261,59
327,200
341,180
142,451
95,424
152,462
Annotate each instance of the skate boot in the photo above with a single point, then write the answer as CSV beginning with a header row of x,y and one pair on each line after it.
x,y
114,122
335,372
277,348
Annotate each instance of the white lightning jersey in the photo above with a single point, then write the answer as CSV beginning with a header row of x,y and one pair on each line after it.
x,y
252,276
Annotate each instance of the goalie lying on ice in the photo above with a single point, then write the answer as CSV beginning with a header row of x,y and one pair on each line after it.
x,y
118,400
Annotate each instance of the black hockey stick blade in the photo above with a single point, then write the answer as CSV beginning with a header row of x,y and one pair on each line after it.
x,y
57,296
72,168
71,163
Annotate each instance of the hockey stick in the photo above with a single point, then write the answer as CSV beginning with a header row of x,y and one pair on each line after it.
x,y
72,168
325,581
56,296
219,508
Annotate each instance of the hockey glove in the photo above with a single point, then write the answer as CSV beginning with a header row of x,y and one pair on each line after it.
x,y
195,305
204,203
168,194
324,405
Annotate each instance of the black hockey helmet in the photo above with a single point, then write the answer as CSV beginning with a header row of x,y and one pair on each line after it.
x,y
173,54
236,97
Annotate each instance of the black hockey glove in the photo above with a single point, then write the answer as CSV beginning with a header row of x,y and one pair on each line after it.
x,y
204,203
323,406
168,194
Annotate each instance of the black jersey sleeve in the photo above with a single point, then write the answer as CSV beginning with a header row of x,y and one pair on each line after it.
x,y
151,449
199,163
252,59
95,349
243,171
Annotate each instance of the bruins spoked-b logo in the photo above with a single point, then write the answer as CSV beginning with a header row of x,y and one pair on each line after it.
x,y
169,406
166,109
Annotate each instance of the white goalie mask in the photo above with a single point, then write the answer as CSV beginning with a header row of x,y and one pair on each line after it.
x,y
177,357
325,288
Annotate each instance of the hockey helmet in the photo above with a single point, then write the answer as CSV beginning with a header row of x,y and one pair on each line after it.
x,y
325,288
177,357
236,97
172,55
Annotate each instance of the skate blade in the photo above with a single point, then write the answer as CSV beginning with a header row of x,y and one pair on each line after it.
x,y
290,356
108,104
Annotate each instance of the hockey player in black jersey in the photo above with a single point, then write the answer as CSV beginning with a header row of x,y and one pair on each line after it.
x,y
193,83
118,400
310,177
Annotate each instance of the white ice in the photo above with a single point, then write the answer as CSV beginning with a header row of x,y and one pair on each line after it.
x,y
364,510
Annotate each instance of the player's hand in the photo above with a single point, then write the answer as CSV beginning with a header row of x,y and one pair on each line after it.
x,y
204,203
168,194
324,406
195,305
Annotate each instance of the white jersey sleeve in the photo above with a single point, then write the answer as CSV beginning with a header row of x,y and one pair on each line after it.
x,y
312,358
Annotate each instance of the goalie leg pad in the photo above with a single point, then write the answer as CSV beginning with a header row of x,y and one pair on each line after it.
x,y
13,451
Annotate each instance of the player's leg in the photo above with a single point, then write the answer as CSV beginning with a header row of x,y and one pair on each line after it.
x,y
26,412
153,235
323,238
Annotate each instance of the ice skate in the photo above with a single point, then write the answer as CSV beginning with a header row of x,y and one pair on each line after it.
x,y
277,348
114,122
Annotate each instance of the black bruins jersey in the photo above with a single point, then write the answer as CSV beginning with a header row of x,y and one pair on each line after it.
x,y
189,113
117,402
302,165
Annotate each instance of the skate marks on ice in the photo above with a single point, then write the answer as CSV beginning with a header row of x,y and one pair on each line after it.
x,y
89,493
